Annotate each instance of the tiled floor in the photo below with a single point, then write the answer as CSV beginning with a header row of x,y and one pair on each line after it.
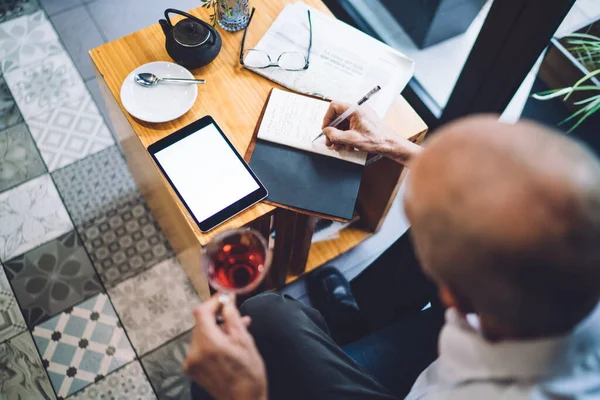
x,y
93,304
164,369
75,234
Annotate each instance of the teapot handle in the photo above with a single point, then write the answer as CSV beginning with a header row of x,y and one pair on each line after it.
x,y
174,11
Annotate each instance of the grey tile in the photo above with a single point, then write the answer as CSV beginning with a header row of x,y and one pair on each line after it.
x,y
95,185
82,345
127,383
52,277
23,376
94,89
26,40
156,305
55,6
165,372
31,214
79,35
124,241
19,158
11,319
117,18
70,132
10,9
9,112
45,84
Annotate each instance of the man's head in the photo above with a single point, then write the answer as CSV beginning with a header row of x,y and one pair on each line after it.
x,y
506,219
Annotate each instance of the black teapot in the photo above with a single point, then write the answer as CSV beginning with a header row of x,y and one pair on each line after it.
x,y
191,42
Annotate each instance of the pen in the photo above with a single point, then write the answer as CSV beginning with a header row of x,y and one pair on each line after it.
x,y
351,110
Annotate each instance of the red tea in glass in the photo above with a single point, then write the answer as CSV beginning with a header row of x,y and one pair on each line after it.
x,y
236,261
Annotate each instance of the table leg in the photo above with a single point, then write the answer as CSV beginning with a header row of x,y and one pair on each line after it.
x,y
262,225
304,228
293,234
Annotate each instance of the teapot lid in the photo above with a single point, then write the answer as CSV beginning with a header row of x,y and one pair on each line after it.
x,y
190,33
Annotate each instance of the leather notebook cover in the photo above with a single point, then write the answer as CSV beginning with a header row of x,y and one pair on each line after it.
x,y
321,185
318,185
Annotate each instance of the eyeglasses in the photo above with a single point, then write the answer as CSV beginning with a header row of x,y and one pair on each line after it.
x,y
290,61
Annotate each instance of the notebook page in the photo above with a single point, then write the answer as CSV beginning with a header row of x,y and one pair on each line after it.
x,y
295,121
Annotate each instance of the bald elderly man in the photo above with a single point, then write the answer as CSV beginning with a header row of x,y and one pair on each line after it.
x,y
506,221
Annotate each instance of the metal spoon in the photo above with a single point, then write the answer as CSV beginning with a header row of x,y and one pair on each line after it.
x,y
147,79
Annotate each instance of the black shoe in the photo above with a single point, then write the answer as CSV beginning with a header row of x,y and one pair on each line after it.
x,y
330,293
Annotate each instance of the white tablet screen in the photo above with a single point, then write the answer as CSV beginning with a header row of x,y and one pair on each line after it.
x,y
206,172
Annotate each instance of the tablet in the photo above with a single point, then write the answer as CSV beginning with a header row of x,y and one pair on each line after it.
x,y
212,180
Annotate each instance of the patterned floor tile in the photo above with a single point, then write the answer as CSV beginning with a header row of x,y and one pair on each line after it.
x,y
22,375
31,214
15,8
56,6
79,35
70,132
95,91
117,18
127,383
95,185
11,320
156,305
26,40
82,344
124,241
19,158
9,112
52,277
45,85
165,372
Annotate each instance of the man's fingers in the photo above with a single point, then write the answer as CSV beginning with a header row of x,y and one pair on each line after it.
x,y
334,135
206,314
340,107
246,321
210,306
330,115
232,320
187,364
336,108
341,140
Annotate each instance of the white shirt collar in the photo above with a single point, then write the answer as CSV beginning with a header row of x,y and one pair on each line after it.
x,y
468,356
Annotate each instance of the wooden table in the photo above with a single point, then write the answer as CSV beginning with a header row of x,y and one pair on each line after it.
x,y
235,98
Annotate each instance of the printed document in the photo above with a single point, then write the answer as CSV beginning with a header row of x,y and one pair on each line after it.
x,y
345,63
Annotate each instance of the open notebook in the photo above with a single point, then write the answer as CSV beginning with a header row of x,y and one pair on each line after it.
x,y
297,173
295,120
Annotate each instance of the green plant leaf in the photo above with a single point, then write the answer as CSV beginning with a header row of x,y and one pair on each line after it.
x,y
582,36
573,116
586,49
551,94
582,80
588,100
581,111
590,111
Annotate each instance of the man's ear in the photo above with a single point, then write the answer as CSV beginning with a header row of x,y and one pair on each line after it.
x,y
451,300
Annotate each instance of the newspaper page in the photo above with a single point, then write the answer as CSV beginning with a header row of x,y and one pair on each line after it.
x,y
345,63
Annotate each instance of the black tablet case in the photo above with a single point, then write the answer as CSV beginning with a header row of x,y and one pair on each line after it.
x,y
307,181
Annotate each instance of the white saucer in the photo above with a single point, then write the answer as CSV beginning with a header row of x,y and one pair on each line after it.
x,y
163,102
